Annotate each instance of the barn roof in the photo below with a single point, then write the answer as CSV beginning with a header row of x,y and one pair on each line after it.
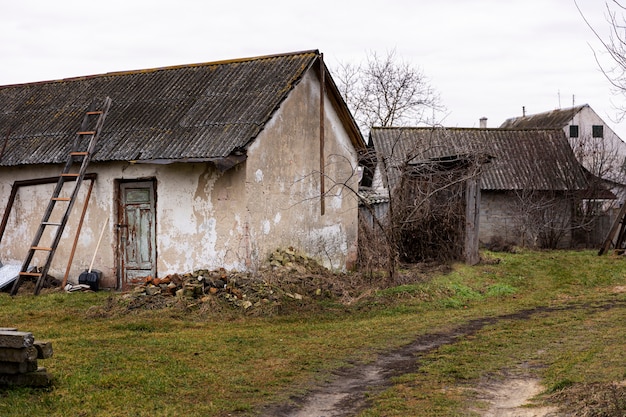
x,y
532,159
198,112
555,119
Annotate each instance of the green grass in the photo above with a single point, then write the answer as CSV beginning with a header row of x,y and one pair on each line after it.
x,y
172,363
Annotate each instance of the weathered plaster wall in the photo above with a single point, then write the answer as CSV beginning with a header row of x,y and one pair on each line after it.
x,y
26,215
193,230
283,183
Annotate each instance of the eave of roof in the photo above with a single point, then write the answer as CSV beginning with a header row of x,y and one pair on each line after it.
x,y
197,112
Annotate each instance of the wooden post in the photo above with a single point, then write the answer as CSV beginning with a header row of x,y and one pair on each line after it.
x,y
472,216
80,226
322,128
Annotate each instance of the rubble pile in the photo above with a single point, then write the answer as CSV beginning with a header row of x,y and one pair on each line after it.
x,y
288,276
19,352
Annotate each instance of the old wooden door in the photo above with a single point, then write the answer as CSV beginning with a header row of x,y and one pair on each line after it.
x,y
137,231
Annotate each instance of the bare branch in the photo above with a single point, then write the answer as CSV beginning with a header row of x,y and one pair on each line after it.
x,y
385,91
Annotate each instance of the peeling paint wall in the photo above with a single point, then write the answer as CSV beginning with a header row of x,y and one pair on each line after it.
x,y
26,215
192,231
283,183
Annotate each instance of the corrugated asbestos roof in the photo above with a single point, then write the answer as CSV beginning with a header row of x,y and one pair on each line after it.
x,y
189,112
555,119
522,159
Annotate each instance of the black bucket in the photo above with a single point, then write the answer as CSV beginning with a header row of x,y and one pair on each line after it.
x,y
90,278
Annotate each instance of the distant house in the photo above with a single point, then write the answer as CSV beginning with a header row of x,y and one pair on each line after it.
x,y
528,190
598,148
199,166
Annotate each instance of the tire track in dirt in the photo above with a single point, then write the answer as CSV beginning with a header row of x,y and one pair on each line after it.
x,y
346,393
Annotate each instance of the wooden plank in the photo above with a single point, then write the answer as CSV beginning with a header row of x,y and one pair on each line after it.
x,y
44,248
30,274
14,339
609,239
38,378
44,349
12,368
18,354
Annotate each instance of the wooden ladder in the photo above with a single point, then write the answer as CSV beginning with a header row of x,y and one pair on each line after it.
x,y
80,154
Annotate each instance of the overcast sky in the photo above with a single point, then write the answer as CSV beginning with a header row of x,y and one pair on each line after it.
x,y
486,58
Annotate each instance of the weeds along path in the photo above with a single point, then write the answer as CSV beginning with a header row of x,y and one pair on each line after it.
x,y
345,394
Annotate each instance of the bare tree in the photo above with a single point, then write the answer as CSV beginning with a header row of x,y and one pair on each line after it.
x,y
600,156
386,91
614,45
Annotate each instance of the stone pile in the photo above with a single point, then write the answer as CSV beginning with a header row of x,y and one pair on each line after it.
x,y
19,353
288,275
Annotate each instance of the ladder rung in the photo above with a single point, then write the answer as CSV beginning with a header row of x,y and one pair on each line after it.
x,y
51,224
82,153
87,132
60,198
31,274
94,112
70,175
41,248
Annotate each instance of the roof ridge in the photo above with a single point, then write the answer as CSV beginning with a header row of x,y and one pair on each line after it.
x,y
166,68
559,110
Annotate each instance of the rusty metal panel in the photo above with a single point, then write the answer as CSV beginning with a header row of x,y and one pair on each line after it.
x,y
199,111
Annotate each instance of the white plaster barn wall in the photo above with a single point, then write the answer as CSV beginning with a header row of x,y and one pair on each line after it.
x,y
283,180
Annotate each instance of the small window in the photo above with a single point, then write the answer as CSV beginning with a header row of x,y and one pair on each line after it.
x,y
597,131
573,131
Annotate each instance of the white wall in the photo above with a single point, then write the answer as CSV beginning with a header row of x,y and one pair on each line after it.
x,y
605,157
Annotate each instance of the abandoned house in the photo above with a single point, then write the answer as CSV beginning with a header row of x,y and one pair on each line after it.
x,y
202,166
596,146
530,181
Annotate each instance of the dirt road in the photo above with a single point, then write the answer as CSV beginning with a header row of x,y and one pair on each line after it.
x,y
347,393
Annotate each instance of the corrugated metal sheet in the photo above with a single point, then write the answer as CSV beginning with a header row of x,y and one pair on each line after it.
x,y
191,112
555,119
522,159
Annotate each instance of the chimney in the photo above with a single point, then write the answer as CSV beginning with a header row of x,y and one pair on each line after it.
x,y
483,122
